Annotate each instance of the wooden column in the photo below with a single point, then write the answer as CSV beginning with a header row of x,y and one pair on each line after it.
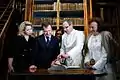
x,y
85,17
101,14
90,9
28,10
58,14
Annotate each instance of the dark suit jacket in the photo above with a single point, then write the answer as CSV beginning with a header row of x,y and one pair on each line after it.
x,y
43,54
20,51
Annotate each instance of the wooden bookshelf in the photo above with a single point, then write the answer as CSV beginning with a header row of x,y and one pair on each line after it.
x,y
72,10
56,11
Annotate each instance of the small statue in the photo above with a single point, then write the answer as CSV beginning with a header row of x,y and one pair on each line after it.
x,y
89,64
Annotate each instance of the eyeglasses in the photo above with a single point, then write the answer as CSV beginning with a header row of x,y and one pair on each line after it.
x,y
28,24
65,27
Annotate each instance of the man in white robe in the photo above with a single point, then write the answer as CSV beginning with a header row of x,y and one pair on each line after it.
x,y
72,44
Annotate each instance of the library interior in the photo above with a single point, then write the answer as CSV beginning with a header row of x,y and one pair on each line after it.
x,y
79,12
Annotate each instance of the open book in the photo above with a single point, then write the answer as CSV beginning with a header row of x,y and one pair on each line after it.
x,y
73,67
63,67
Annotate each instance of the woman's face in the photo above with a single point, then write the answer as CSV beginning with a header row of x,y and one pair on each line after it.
x,y
58,34
28,30
93,27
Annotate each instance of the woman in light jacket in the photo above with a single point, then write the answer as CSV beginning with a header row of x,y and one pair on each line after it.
x,y
99,56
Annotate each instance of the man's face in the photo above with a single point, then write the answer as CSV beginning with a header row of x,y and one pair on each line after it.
x,y
67,28
47,30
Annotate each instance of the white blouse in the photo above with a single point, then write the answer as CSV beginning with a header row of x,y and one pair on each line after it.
x,y
97,52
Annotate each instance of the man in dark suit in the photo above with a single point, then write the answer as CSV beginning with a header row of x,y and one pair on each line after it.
x,y
46,48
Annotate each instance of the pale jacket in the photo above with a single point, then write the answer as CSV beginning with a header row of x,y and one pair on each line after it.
x,y
107,54
97,52
72,44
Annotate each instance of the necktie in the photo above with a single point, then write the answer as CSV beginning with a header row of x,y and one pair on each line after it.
x,y
47,40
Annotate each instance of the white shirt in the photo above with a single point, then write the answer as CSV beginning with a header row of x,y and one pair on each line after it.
x,y
72,44
46,38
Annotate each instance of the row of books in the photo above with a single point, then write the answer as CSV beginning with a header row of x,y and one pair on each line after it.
x,y
63,6
37,33
71,6
76,21
41,20
45,6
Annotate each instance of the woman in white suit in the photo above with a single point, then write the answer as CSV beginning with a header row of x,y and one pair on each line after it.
x,y
99,50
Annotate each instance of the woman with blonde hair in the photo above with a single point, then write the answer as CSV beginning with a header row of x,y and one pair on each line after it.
x,y
22,27
20,49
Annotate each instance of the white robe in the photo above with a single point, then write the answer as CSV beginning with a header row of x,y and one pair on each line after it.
x,y
72,44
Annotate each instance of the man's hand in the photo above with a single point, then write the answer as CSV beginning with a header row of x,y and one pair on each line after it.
x,y
60,59
32,68
65,55
56,62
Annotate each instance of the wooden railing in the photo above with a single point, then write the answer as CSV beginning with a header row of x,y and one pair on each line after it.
x,y
5,27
